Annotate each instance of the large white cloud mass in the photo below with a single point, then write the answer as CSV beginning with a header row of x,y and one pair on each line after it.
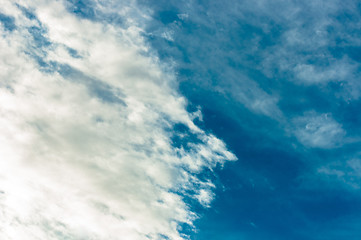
x,y
87,113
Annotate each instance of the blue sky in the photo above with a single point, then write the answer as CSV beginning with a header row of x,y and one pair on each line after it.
x,y
182,119
277,81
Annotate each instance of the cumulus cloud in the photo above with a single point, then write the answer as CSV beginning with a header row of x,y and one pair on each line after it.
x,y
86,119
318,130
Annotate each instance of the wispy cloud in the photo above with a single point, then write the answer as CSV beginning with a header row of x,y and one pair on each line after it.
x,y
318,130
347,173
86,114
316,46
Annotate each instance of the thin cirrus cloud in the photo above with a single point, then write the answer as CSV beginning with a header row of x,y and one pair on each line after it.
x,y
87,112
266,56
318,130
279,81
317,45
347,173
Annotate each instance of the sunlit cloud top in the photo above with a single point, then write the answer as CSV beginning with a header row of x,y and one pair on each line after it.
x,y
88,121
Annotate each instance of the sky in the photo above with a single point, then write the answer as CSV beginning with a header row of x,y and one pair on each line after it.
x,y
188,119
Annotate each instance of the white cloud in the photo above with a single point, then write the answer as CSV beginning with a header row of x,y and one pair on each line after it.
x,y
340,71
75,165
318,130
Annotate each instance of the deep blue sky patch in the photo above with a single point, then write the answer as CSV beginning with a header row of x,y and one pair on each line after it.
x,y
279,82
8,22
